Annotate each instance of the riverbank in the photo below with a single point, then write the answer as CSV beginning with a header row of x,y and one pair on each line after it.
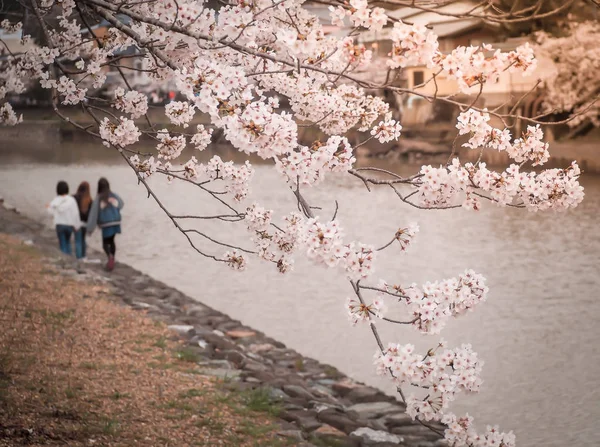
x,y
43,124
419,144
433,146
316,404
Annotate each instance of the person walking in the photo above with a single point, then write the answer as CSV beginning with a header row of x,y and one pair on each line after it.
x,y
106,214
66,216
84,202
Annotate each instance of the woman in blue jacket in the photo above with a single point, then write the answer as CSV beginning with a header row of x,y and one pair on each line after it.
x,y
106,214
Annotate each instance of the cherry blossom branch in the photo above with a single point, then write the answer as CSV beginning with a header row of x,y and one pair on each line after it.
x,y
356,288
223,217
502,17
166,211
249,51
193,230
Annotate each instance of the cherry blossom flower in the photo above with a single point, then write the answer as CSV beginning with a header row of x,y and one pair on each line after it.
x,y
530,147
9,27
387,131
202,138
180,113
406,235
122,134
237,178
132,102
357,312
471,65
412,45
431,305
377,19
235,260
67,88
309,165
337,15
257,218
145,167
8,117
460,432
445,374
170,147
190,169
556,189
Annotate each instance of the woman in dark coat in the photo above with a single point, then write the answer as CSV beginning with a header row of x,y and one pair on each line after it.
x,y
106,214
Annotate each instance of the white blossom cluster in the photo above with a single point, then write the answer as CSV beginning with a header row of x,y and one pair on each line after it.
x,y
359,14
132,102
67,88
361,312
122,134
237,178
556,189
325,245
8,117
471,66
444,374
259,130
180,113
412,45
308,166
190,169
460,432
387,130
275,244
202,138
170,146
335,110
322,241
356,54
432,304
530,147
146,167
450,372
567,89
9,27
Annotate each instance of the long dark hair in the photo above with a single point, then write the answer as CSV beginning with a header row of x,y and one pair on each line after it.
x,y
103,189
83,196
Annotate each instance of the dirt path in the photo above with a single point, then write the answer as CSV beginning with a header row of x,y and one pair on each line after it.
x,y
79,370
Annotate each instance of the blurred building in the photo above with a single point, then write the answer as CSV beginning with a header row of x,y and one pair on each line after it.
x,y
133,65
451,23
453,31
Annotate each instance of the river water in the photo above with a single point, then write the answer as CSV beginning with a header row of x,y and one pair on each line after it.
x,y
537,333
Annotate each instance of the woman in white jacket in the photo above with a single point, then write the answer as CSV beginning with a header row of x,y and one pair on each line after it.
x,y
65,211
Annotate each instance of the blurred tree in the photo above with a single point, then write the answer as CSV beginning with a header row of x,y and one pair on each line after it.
x,y
578,10
574,85
11,9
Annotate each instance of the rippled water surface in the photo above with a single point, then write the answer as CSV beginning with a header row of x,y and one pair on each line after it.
x,y
538,332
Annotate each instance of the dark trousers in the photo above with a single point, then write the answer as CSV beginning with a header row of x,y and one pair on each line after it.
x,y
109,246
64,238
80,244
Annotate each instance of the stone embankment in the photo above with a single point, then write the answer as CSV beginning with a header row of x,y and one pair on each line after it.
x,y
320,406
